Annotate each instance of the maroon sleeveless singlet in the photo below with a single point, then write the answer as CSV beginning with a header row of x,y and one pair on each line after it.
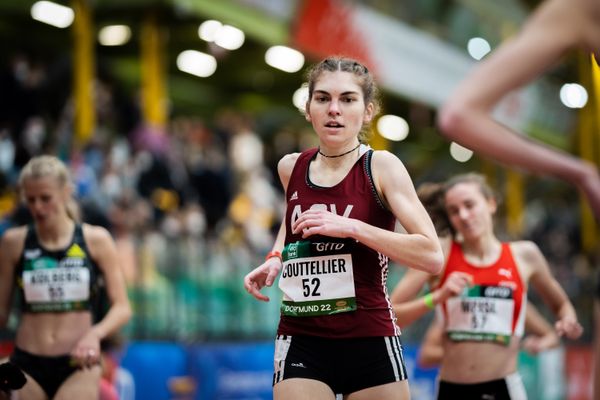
x,y
335,287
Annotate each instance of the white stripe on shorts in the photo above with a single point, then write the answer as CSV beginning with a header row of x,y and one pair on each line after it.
x,y
395,352
515,387
282,346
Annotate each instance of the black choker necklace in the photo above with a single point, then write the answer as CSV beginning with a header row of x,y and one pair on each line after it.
x,y
339,155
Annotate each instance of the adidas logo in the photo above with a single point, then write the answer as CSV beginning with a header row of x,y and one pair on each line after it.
x,y
294,196
299,365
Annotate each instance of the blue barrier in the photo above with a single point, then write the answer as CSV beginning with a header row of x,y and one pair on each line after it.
x,y
243,371
421,380
233,371
228,371
152,364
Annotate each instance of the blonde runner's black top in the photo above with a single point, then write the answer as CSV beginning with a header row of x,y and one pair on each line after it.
x,y
335,287
57,280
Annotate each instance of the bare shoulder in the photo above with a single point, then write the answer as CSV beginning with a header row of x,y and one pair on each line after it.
x,y
385,164
99,243
526,251
287,162
285,167
96,235
384,158
389,171
13,241
14,236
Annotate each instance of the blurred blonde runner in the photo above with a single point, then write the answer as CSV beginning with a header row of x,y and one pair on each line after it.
x,y
56,264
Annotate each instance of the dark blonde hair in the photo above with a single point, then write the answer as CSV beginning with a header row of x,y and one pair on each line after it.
x,y
50,166
432,195
360,71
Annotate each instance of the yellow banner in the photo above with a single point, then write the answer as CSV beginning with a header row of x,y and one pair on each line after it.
x,y
588,142
153,75
83,72
514,202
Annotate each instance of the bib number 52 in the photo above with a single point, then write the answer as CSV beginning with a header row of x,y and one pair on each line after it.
x,y
310,287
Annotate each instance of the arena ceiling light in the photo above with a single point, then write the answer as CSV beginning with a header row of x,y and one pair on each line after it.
x,y
196,63
284,58
225,36
114,35
52,14
229,37
573,95
478,48
207,30
300,97
392,127
460,153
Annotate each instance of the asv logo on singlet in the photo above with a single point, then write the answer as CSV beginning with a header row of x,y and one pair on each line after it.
x,y
331,207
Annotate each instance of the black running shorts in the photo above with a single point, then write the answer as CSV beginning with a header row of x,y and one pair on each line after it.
x,y
345,365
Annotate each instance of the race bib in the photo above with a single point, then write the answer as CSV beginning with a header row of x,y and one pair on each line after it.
x,y
317,279
481,313
50,286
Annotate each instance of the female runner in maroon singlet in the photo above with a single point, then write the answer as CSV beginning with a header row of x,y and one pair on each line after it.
x,y
337,330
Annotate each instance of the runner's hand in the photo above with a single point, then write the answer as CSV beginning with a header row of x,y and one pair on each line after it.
x,y
321,222
86,353
262,276
534,344
568,327
454,285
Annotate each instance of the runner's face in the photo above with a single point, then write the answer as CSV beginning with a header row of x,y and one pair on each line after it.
x,y
469,211
45,199
337,110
